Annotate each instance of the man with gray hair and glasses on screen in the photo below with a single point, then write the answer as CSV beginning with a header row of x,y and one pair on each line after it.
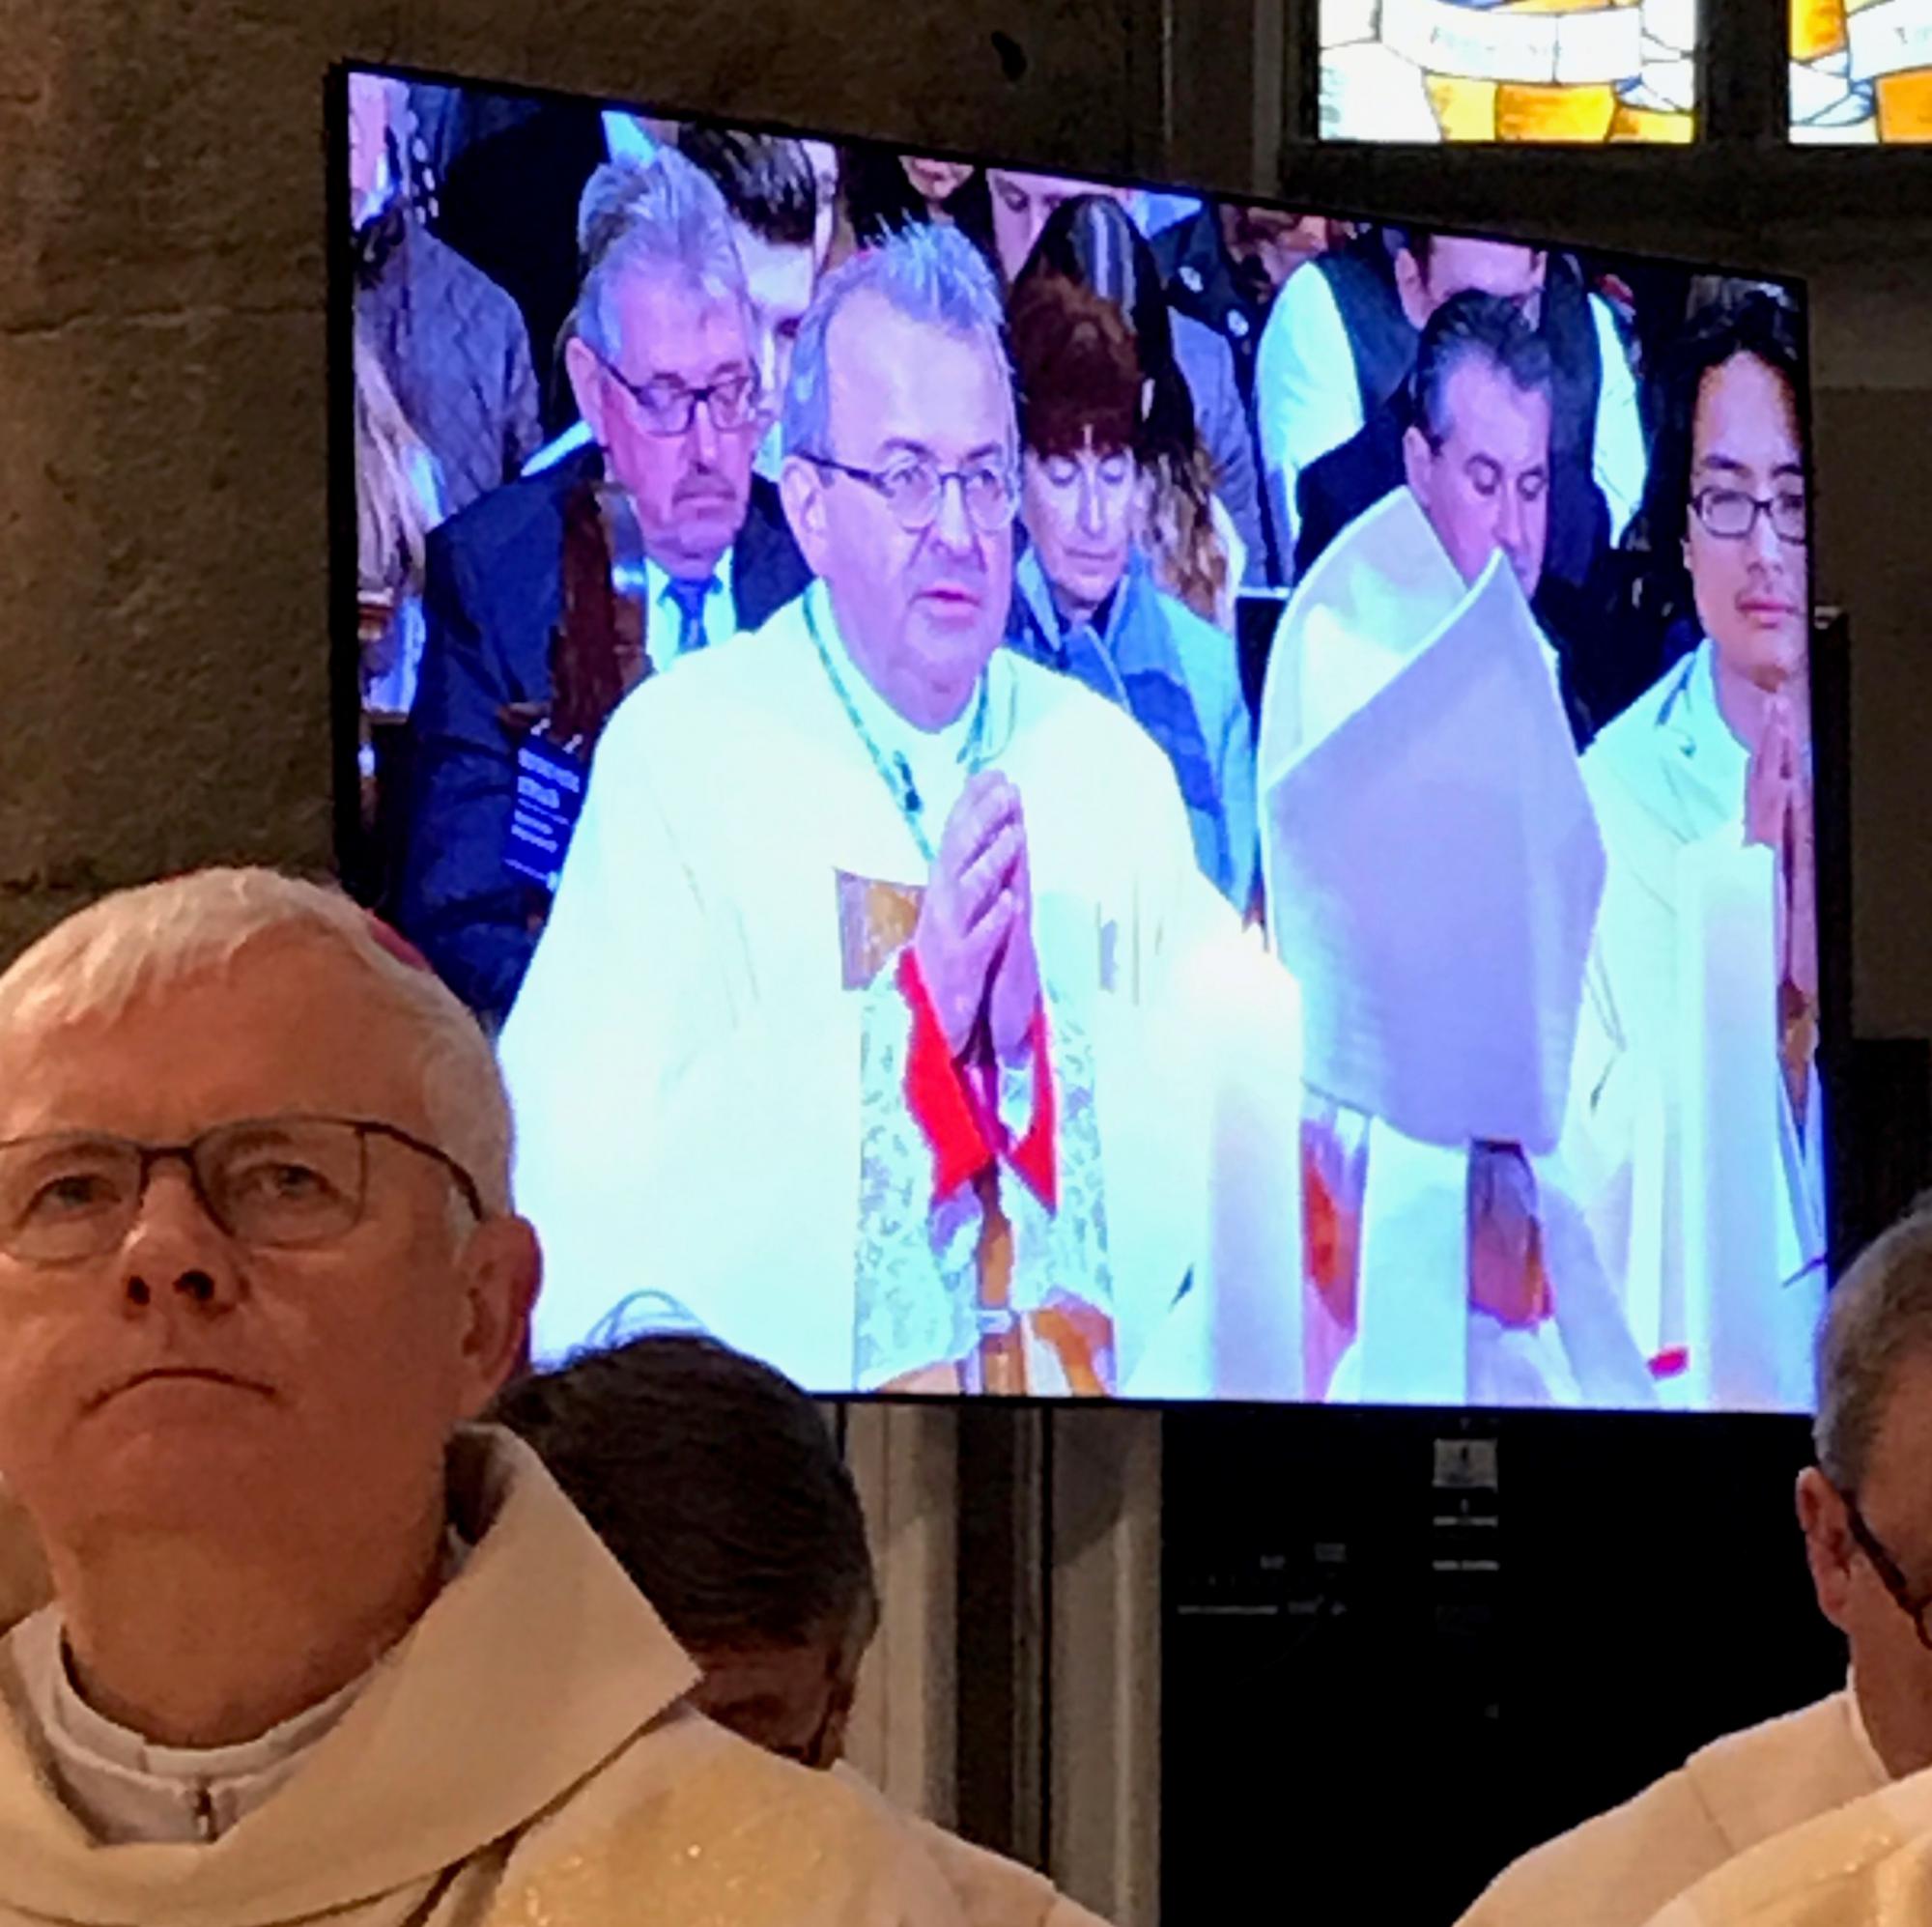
x,y
285,1635
858,1009
1867,1512
549,598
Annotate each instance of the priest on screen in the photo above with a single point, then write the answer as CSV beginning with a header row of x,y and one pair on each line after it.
x,y
859,1028
1432,873
1696,1138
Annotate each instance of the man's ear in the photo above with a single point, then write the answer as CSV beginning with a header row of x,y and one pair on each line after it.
x,y
1410,288
501,1268
586,383
1829,1547
802,491
1417,463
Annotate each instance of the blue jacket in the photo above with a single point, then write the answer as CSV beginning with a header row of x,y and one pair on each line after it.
x,y
1179,678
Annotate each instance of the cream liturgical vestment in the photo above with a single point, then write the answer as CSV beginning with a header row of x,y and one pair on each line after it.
x,y
1704,1188
1433,871
1619,1868
724,1073
522,1756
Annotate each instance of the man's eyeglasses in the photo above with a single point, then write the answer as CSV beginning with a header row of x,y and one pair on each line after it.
x,y
1917,1608
278,1182
1731,514
666,406
914,489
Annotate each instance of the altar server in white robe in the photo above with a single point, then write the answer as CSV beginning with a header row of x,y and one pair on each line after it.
x,y
1697,1139
1433,872
858,1026
1865,1506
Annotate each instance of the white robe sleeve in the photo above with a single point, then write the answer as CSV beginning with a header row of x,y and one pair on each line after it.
x,y
633,975
1307,400
1620,462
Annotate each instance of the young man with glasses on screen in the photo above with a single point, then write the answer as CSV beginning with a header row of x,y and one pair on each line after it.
x,y
1866,1511
664,359
309,1643
857,1007
1697,1136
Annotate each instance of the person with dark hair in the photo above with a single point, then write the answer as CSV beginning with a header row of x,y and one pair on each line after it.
x,y
716,1484
1189,530
1421,799
1696,1079
1333,368
771,191
1034,220
1085,598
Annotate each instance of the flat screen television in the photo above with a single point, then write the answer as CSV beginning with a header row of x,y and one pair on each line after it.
x,y
1053,788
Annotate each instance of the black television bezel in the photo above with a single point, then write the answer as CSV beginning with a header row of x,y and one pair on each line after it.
x,y
1829,692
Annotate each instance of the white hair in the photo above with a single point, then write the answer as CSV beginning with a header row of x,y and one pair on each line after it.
x,y
103,958
1879,1317
665,217
928,273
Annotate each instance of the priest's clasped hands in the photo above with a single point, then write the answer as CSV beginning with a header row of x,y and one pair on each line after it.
x,y
1779,813
974,941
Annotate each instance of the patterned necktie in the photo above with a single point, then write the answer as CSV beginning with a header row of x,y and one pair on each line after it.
x,y
690,597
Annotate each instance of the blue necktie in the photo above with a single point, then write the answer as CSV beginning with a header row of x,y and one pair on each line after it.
x,y
690,596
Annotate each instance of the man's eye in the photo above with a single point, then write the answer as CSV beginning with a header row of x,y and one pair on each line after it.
x,y
1531,486
72,1193
1062,471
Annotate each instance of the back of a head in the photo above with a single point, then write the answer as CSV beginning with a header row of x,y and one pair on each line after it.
x,y
1485,329
766,180
1879,1318
665,216
716,1484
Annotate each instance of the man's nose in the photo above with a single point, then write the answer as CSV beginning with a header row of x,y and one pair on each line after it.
x,y
1093,517
1510,521
702,437
174,1251
1763,540
952,526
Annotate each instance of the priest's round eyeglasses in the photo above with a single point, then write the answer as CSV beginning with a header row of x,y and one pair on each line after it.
x,y
1731,514
1917,1608
282,1182
666,406
913,488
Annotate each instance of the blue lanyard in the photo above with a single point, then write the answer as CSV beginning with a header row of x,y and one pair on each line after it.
x,y
894,772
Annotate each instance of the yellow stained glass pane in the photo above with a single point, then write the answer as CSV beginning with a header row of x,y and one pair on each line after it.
x,y
1862,70
1522,71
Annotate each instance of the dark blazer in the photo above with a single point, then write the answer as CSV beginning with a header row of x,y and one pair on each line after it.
x,y
492,597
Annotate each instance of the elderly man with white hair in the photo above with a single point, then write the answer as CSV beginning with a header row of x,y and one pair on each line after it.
x,y
288,1639
1852,1774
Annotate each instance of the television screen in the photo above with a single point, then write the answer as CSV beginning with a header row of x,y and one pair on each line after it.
x,y
1055,788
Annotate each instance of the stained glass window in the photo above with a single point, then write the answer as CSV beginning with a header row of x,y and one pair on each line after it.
x,y
1861,70
1508,69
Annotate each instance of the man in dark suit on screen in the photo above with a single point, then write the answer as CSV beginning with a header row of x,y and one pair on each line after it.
x,y
550,597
